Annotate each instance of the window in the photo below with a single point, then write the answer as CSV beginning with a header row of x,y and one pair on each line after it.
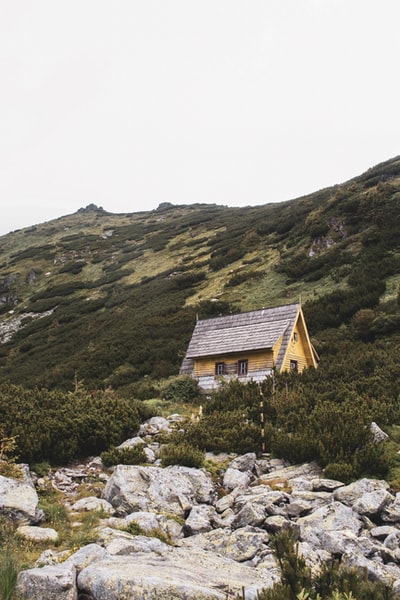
x,y
293,365
295,336
220,368
243,366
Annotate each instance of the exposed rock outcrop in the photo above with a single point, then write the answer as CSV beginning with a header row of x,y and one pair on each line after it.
x,y
195,538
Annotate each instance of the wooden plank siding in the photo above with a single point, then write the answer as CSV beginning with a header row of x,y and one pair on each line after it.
x,y
258,361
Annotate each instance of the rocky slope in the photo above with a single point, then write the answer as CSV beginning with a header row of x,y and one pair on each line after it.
x,y
176,532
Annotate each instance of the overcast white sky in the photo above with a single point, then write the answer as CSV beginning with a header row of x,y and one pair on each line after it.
x,y
129,103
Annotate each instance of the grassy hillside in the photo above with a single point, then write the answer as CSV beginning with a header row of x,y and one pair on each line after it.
x,y
109,299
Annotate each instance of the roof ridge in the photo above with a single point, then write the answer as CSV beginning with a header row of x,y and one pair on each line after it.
x,y
248,312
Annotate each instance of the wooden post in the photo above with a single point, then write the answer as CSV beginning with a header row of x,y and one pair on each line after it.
x,y
262,419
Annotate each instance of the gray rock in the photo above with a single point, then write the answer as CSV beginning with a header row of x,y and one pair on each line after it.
x,y
334,517
154,426
349,494
379,435
85,556
125,546
275,523
249,514
202,518
240,545
372,503
51,583
234,478
92,503
227,501
166,575
391,512
19,501
131,443
244,463
173,489
282,477
37,534
325,485
383,531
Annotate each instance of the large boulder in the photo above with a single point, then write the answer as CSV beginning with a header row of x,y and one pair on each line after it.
x,y
335,518
241,545
51,583
202,518
19,501
235,478
171,573
349,494
173,490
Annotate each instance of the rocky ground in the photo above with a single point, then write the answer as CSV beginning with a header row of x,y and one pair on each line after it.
x,y
177,532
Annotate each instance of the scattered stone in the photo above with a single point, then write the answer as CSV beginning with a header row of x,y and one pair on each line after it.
x,y
37,534
92,503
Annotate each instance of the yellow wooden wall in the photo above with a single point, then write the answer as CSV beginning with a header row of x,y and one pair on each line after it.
x,y
258,361
298,350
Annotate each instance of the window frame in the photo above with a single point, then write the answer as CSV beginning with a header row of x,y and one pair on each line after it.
x,y
294,366
220,369
242,367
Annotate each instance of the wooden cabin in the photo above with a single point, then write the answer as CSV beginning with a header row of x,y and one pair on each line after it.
x,y
249,346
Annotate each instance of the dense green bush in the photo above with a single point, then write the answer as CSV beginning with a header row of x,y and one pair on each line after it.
x,y
124,456
181,453
180,389
225,432
60,427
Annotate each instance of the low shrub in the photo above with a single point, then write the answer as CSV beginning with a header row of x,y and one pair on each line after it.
x,y
180,389
123,456
340,471
225,432
182,454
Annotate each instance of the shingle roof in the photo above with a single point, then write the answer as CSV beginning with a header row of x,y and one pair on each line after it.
x,y
255,330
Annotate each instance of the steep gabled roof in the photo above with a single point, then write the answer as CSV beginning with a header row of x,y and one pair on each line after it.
x,y
256,330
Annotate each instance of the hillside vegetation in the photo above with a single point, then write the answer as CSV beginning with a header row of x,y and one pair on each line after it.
x,y
113,298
